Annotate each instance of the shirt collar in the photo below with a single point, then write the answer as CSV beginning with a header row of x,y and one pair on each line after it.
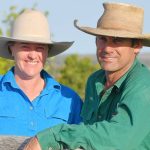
x,y
50,82
9,78
120,81
100,81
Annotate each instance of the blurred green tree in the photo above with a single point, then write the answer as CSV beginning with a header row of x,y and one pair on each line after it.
x,y
52,67
75,72
5,64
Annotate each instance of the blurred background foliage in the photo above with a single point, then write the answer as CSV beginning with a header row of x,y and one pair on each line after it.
x,y
73,70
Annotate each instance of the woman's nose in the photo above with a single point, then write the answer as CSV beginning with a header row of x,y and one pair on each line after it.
x,y
32,54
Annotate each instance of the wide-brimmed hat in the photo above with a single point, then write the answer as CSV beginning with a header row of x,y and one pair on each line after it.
x,y
32,27
119,20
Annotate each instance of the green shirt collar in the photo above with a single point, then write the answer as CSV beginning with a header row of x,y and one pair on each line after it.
x,y
120,81
101,81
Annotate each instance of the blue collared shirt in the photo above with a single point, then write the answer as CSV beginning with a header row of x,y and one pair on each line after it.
x,y
19,116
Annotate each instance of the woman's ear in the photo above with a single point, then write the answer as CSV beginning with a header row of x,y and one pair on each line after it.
x,y
10,47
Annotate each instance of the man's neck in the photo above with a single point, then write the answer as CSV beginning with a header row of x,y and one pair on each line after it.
x,y
113,77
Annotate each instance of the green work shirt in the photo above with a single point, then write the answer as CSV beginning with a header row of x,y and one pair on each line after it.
x,y
117,119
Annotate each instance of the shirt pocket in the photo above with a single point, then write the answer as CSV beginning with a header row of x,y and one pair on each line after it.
x,y
7,108
61,111
57,115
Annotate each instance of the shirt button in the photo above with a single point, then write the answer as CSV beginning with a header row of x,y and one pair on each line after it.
x,y
91,98
31,123
31,108
117,90
99,116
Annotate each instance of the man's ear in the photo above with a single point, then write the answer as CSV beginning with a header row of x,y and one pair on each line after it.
x,y
137,46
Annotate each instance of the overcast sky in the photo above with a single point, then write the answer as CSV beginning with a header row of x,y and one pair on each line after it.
x,y
63,12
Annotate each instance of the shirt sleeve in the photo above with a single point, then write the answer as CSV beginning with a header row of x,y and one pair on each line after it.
x,y
47,138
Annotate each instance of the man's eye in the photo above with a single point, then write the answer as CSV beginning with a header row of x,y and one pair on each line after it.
x,y
118,40
101,38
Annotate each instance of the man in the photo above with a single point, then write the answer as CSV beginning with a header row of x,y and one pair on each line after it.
x,y
116,111
30,99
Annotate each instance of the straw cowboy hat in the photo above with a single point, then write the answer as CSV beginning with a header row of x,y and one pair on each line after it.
x,y
32,27
119,20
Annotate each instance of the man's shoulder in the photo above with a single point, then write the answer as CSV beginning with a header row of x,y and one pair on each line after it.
x,y
140,73
138,79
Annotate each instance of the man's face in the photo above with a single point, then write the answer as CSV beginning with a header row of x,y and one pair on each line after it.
x,y
29,58
115,54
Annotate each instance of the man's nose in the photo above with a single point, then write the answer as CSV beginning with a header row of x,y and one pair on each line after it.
x,y
108,49
106,45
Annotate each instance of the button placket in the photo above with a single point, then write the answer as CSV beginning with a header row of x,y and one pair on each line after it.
x,y
31,107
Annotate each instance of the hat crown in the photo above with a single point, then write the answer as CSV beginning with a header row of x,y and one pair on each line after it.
x,y
123,17
31,25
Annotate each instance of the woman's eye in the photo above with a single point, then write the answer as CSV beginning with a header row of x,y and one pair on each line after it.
x,y
25,47
40,49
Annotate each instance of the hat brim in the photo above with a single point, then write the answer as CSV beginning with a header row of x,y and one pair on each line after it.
x,y
55,48
115,33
